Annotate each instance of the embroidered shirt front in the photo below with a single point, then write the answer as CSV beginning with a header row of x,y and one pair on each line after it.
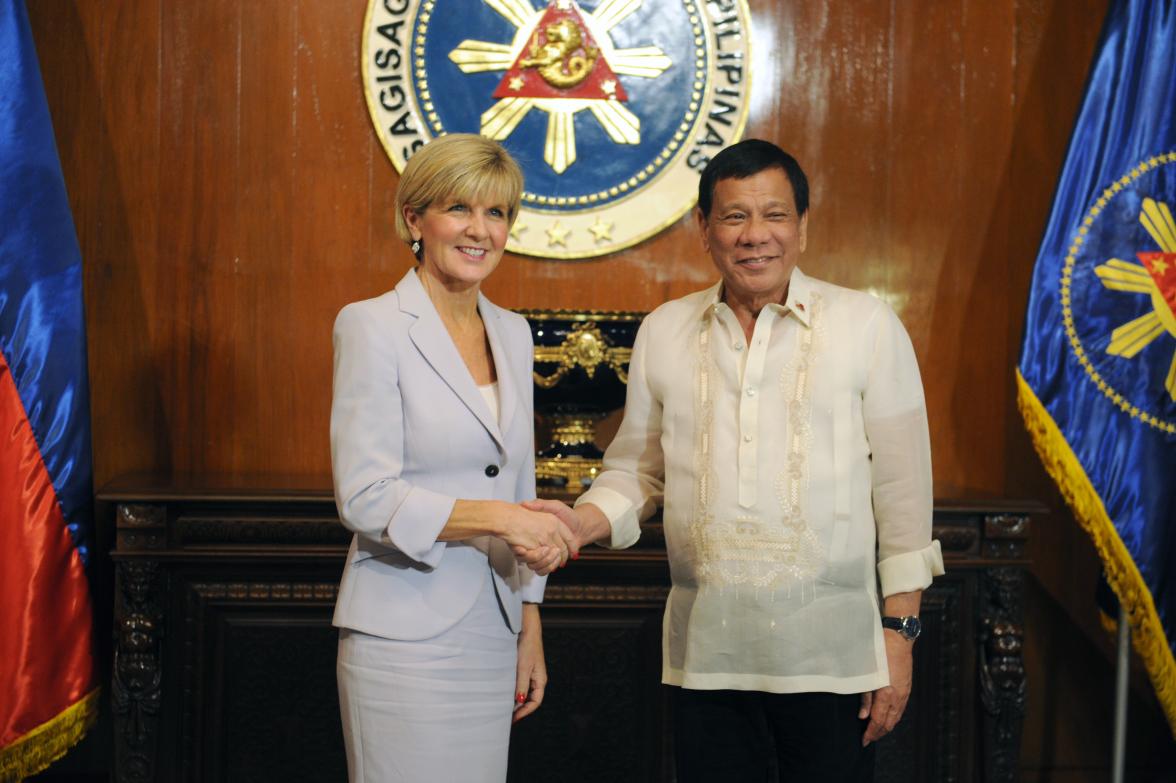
x,y
795,473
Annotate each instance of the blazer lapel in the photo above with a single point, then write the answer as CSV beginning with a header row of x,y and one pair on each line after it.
x,y
508,392
431,338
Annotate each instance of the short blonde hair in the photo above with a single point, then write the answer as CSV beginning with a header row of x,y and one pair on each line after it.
x,y
463,166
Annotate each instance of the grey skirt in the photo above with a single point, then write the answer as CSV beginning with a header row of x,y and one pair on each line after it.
x,y
434,710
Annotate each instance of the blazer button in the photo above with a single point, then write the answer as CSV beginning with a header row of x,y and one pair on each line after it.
x,y
491,470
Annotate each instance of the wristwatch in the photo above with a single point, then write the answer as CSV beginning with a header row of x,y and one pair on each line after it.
x,y
909,627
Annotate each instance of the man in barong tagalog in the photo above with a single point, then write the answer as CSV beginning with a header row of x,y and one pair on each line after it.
x,y
781,421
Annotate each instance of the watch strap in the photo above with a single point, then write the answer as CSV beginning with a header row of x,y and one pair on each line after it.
x,y
909,627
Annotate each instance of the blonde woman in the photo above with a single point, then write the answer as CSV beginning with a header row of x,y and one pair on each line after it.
x,y
432,451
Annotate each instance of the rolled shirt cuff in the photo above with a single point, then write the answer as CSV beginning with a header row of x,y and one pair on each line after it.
x,y
620,512
910,571
417,523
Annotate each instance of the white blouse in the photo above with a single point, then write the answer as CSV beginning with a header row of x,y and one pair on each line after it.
x,y
795,473
490,395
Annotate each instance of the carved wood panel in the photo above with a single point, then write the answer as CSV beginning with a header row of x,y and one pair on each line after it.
x,y
604,715
224,653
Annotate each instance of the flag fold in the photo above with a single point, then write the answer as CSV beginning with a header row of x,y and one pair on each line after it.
x,y
48,696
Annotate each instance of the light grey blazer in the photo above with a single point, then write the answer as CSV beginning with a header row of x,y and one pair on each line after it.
x,y
410,434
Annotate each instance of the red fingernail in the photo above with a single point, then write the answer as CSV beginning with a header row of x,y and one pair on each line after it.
x,y
576,556
520,697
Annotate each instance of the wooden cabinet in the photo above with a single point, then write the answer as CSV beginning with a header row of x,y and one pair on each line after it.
x,y
224,660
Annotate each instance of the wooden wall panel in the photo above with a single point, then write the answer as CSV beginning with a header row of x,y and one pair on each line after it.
x,y
266,326
240,198
198,225
128,399
230,196
332,156
932,198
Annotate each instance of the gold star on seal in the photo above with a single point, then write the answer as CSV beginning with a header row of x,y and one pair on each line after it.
x,y
516,83
609,86
518,228
600,230
557,235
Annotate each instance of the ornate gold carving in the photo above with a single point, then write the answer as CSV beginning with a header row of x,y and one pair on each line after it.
x,y
576,471
586,347
555,60
573,430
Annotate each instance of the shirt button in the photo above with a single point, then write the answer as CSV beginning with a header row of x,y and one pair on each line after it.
x,y
751,392
491,470
738,346
747,439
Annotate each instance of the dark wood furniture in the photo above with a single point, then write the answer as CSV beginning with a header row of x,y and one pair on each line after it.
x,y
224,654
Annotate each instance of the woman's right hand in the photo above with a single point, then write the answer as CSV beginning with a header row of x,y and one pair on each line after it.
x,y
549,540
544,539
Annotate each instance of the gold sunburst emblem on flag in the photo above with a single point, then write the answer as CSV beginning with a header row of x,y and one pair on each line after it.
x,y
1154,276
561,61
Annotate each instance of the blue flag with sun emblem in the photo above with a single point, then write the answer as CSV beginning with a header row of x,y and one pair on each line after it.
x,y
1097,375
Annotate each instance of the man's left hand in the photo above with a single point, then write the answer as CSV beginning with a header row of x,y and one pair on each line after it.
x,y
885,706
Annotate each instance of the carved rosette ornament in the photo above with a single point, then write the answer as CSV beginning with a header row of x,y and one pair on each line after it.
x,y
1002,671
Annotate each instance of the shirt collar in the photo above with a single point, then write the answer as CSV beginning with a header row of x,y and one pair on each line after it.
x,y
798,303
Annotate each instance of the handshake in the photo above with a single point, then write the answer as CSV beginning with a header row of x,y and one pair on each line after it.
x,y
545,534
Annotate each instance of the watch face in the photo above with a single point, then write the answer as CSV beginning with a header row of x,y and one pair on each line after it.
x,y
911,627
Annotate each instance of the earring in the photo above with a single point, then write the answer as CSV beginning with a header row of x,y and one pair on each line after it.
x,y
416,246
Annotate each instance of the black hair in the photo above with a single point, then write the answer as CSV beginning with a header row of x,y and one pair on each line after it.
x,y
746,159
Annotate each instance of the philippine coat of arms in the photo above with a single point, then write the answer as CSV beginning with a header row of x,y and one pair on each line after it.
x,y
612,107
1118,293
